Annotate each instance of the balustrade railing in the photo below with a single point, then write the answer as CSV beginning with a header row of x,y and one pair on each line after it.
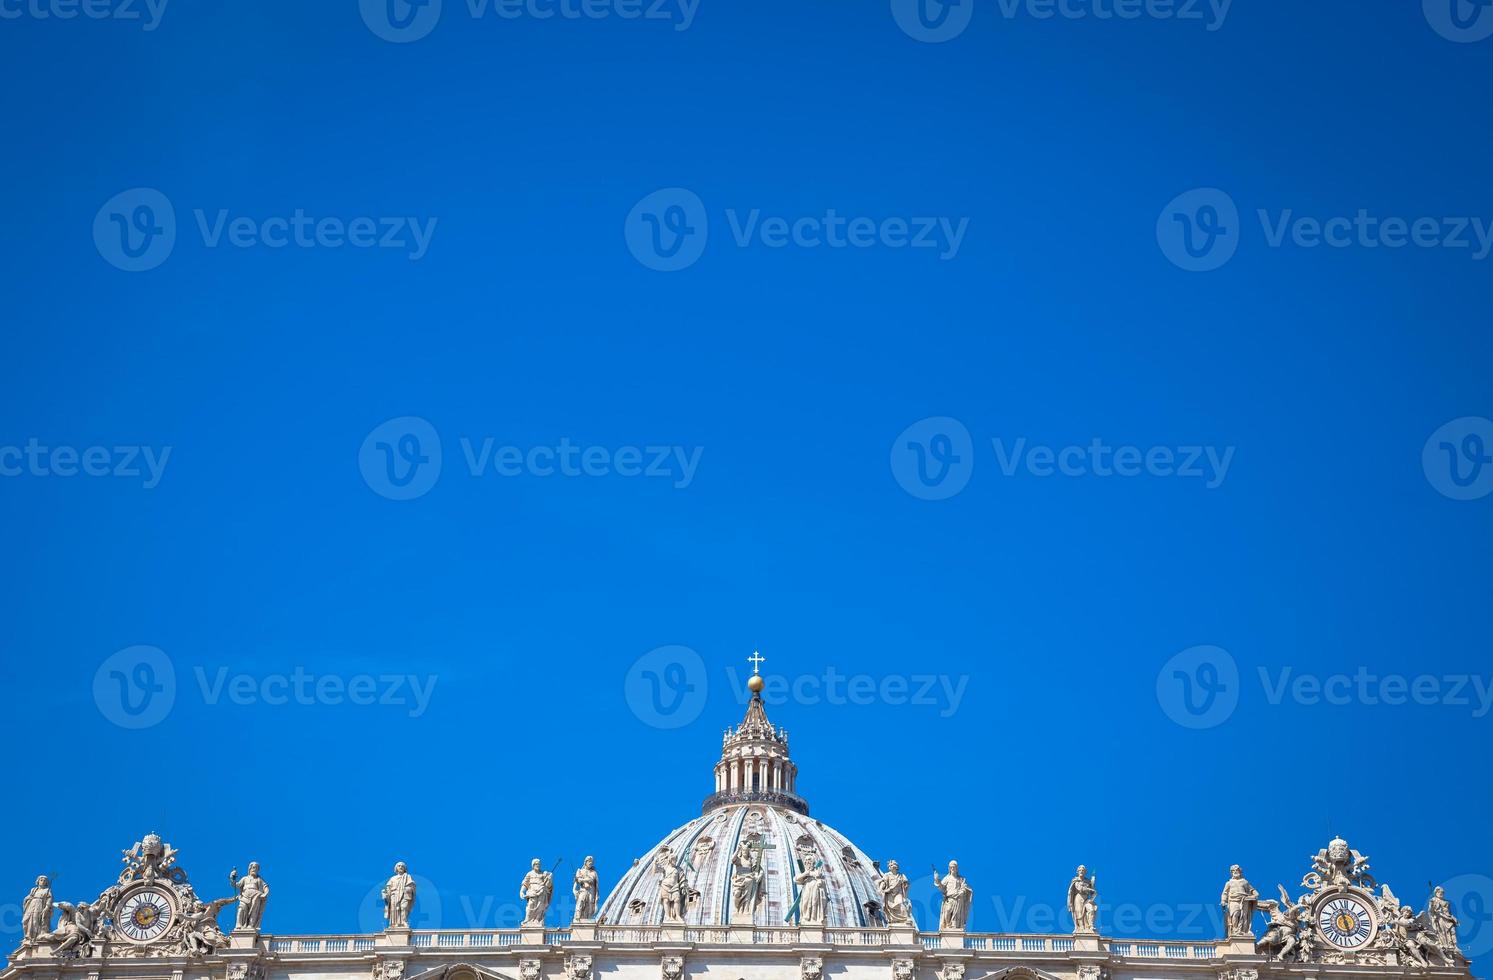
x,y
783,936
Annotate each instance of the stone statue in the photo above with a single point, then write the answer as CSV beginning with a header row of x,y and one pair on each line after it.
x,y
584,889
1410,936
894,902
746,881
536,890
956,898
1083,902
673,886
1443,922
36,912
399,897
1239,901
811,895
74,926
200,932
252,894
1281,935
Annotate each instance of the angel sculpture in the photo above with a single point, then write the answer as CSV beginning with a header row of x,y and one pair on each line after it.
x,y
1280,937
1413,937
200,932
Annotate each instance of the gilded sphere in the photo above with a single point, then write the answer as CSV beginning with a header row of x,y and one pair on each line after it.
x,y
754,683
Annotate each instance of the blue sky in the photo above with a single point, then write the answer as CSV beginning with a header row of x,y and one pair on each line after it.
x,y
1107,396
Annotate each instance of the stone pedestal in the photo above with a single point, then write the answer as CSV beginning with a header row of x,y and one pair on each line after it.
x,y
243,939
903,935
1087,942
951,939
583,930
531,935
395,938
1238,946
672,932
742,934
811,935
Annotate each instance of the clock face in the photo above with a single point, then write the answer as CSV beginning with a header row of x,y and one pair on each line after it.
x,y
1345,922
144,916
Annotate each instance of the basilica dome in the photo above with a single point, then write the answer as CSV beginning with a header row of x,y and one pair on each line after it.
x,y
741,858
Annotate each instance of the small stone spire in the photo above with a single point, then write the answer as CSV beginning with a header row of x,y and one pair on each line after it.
x,y
754,765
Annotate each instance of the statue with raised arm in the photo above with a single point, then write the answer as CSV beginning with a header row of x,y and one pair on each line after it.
x,y
1083,902
584,889
895,904
36,912
399,897
1239,901
200,932
1411,939
536,890
253,892
954,888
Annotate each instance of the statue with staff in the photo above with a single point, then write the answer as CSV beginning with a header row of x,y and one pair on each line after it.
x,y
536,890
